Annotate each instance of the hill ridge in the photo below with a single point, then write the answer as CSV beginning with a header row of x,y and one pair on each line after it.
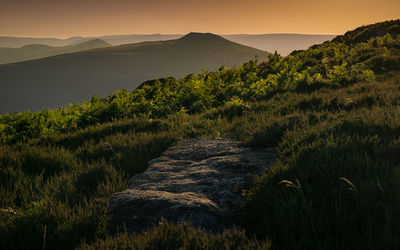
x,y
31,52
201,36
104,70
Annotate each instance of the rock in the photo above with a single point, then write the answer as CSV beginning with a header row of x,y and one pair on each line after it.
x,y
197,180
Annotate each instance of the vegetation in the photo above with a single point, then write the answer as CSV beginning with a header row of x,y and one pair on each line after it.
x,y
331,64
180,236
58,80
331,112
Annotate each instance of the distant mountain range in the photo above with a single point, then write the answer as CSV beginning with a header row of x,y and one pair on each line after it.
x,y
68,78
36,51
17,42
282,43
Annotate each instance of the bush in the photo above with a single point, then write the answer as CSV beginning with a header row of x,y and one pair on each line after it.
x,y
335,186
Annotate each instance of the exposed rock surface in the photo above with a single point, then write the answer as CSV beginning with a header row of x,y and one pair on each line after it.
x,y
198,180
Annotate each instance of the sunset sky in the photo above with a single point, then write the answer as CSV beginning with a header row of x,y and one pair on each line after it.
x,y
59,18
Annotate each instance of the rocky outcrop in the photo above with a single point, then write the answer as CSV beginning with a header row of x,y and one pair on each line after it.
x,y
198,180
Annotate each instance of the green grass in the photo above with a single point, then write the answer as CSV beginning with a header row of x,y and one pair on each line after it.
x,y
63,181
335,184
180,236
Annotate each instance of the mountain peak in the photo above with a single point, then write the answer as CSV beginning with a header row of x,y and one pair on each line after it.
x,y
96,41
192,36
35,46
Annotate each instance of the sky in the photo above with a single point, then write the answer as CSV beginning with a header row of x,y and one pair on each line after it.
x,y
66,18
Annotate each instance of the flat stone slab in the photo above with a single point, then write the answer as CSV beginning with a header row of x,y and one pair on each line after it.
x,y
197,180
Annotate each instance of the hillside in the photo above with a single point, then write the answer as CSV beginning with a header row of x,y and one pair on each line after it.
x,y
284,44
330,114
36,51
37,84
370,31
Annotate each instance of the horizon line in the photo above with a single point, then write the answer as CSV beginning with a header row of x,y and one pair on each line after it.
x,y
163,34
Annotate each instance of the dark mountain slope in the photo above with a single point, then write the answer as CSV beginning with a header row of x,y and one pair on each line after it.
x,y
55,81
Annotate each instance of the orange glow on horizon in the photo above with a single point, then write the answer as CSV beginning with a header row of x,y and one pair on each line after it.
x,y
47,18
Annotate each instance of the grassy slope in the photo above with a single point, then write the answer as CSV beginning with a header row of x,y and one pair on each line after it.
x,y
335,185
283,43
